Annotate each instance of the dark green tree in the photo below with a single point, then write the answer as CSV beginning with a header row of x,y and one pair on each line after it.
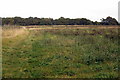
x,y
109,21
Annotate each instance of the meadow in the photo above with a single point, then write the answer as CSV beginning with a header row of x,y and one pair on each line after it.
x,y
60,52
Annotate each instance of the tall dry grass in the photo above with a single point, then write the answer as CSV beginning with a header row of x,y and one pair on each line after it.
x,y
13,32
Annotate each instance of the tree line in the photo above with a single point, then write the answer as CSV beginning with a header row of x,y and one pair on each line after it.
x,y
61,21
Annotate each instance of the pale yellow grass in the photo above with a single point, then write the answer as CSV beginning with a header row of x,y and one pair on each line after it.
x,y
9,33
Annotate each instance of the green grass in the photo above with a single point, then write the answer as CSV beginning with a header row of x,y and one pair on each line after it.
x,y
80,53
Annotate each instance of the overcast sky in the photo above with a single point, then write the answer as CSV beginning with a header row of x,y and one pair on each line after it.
x,y
91,9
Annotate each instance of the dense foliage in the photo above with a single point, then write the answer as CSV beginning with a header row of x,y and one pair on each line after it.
x,y
60,21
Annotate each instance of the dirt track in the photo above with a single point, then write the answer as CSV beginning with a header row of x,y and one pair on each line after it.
x,y
44,28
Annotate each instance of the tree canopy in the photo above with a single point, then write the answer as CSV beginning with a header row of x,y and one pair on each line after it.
x,y
109,21
61,21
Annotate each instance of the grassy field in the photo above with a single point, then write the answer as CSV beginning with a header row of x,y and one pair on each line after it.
x,y
60,53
